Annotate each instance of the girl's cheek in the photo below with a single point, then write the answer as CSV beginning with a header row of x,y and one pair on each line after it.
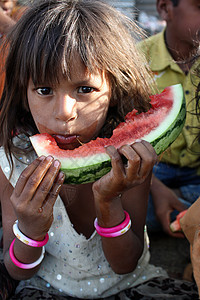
x,y
92,129
41,128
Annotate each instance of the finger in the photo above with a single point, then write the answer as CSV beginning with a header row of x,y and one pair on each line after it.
x,y
133,161
116,161
147,154
53,194
25,175
179,206
141,158
34,180
166,227
46,185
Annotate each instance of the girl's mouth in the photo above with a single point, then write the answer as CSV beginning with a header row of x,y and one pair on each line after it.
x,y
66,142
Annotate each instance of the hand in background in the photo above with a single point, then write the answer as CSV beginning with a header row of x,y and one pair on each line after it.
x,y
165,202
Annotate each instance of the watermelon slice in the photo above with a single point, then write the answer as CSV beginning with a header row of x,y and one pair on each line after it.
x,y
160,126
175,225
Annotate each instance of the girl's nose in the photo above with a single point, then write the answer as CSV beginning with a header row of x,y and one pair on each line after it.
x,y
66,108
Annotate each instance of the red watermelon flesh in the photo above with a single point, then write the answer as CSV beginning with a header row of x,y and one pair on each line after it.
x,y
160,126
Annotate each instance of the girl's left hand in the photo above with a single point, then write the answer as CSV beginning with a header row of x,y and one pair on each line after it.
x,y
141,158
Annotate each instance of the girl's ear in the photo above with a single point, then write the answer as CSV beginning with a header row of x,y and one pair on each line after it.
x,y
164,8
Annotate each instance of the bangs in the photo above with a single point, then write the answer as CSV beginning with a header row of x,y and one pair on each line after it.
x,y
52,50
53,35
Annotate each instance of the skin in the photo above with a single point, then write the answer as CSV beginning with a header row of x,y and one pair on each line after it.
x,y
194,254
190,226
7,6
183,28
65,109
75,105
5,21
182,38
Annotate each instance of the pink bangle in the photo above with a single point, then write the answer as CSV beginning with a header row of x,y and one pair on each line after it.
x,y
21,265
114,231
24,239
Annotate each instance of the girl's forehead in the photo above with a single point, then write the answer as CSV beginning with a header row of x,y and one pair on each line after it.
x,y
78,68
77,73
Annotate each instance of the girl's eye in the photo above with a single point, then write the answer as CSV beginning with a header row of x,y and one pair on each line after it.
x,y
85,89
44,91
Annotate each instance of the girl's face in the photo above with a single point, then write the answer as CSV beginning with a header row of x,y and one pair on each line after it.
x,y
72,111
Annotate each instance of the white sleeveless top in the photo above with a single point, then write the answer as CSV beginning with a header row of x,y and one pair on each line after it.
x,y
74,265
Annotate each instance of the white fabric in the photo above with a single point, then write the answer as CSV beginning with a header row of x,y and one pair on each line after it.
x,y
74,265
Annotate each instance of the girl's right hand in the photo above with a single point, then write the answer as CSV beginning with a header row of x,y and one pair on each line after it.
x,y
34,196
140,157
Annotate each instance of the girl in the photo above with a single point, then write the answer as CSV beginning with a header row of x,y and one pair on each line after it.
x,y
73,71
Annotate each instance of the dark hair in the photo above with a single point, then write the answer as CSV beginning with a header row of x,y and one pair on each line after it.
x,y
197,99
46,40
175,2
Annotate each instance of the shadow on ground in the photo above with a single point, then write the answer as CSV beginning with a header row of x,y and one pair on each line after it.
x,y
172,254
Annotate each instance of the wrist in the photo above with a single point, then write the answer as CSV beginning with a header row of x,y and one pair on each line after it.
x,y
114,231
109,213
34,242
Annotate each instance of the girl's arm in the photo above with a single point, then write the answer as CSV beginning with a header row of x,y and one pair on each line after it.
x,y
38,186
133,181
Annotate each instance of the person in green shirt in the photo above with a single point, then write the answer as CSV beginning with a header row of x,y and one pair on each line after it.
x,y
172,56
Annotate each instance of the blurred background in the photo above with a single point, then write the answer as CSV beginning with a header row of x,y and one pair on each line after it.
x,y
144,11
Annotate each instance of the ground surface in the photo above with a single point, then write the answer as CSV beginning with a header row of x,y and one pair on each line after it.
x,y
172,254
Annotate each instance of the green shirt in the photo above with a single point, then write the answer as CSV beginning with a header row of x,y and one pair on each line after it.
x,y
185,151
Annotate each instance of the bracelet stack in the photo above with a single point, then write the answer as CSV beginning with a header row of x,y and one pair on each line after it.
x,y
114,231
24,239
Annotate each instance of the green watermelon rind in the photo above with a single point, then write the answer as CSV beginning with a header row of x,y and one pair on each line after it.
x,y
160,142
79,170
93,172
87,174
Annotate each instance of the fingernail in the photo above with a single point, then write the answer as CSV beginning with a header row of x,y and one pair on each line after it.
x,y
56,163
49,158
41,157
138,140
61,175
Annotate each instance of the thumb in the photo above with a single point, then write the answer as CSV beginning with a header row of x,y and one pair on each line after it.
x,y
179,206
